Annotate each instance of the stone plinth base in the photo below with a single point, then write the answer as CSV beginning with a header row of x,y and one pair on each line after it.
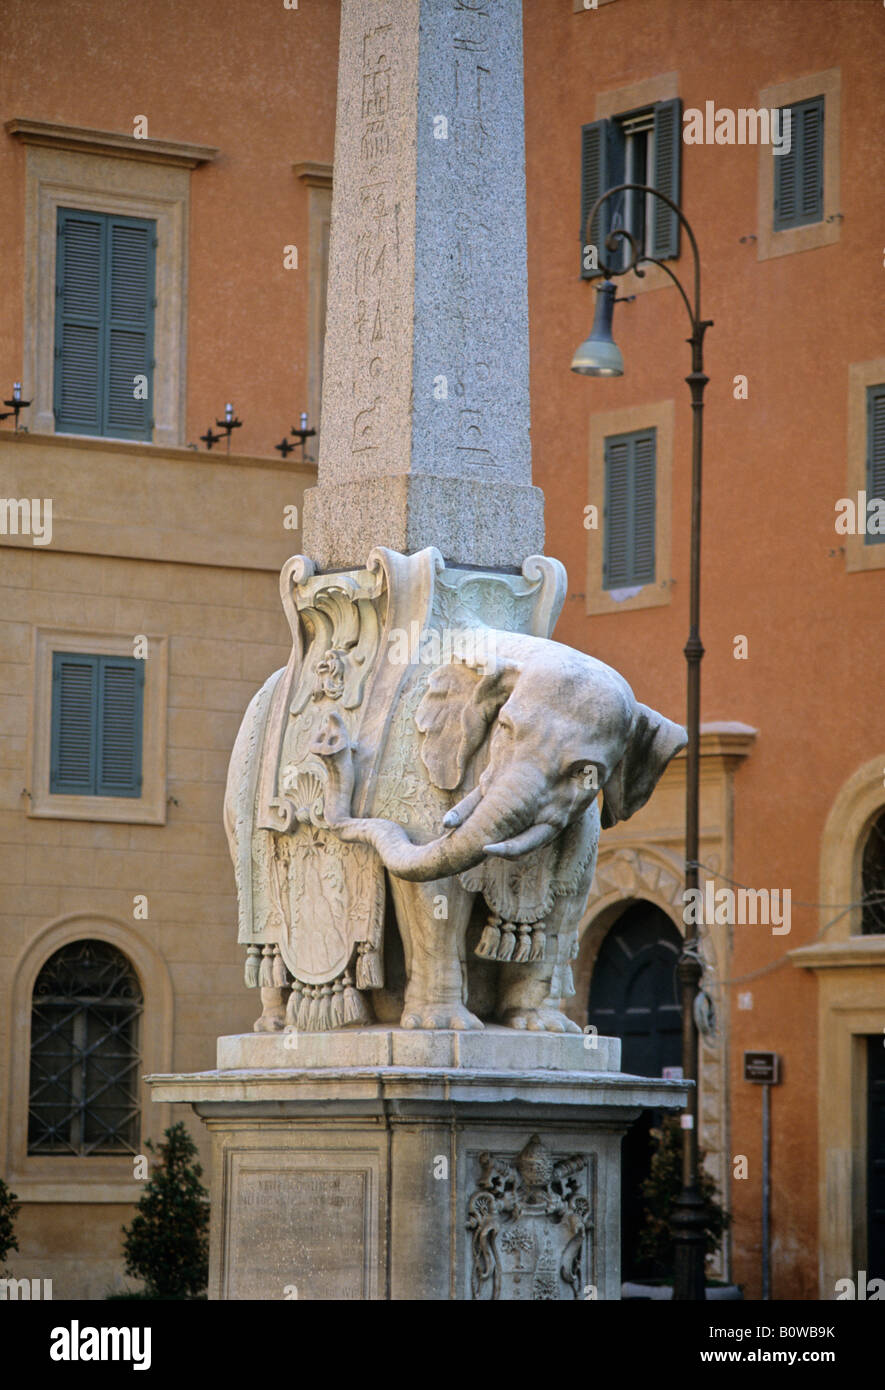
x,y
388,1164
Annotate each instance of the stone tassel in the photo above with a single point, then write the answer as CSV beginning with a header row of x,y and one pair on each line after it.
x,y
253,955
303,1010
355,1010
489,942
523,950
293,1005
280,973
368,967
324,1010
265,974
539,944
508,942
313,1017
336,1010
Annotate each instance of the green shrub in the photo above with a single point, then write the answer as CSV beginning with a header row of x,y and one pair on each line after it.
x,y
660,1190
9,1210
167,1245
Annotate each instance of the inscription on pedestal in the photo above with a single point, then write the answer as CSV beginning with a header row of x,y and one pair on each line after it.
x,y
301,1226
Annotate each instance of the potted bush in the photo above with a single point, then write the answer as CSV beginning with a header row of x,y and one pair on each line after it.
x,y
9,1210
660,1190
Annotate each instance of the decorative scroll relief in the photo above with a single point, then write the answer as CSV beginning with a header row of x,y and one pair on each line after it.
x,y
531,1220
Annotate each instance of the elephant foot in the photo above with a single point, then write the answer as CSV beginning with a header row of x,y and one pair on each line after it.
x,y
439,1016
539,1020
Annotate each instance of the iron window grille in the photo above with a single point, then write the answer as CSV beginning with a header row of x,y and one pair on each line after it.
x,y
85,1014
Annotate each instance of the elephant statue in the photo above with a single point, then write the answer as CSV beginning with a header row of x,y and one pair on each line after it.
x,y
459,782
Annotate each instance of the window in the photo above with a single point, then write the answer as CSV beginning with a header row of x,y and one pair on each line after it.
x,y
83,1096
641,146
873,880
629,516
104,324
799,175
875,453
97,704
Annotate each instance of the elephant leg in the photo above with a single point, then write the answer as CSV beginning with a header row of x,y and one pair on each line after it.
x,y
272,1018
525,997
434,949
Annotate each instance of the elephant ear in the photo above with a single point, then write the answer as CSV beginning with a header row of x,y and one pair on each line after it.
x,y
652,742
458,706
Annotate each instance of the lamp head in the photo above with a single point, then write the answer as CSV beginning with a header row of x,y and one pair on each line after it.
x,y
599,355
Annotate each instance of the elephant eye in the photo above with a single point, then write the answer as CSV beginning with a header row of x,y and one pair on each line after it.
x,y
586,773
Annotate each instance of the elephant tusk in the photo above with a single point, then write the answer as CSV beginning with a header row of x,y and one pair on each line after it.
x,y
459,813
530,839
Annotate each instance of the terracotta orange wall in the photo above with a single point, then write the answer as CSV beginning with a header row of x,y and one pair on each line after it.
x,y
248,76
774,466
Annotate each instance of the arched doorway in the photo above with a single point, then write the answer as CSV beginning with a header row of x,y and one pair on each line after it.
x,y
634,997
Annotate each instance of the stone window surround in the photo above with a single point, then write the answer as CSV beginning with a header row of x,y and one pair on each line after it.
x,y
317,179
659,416
859,556
104,171
851,977
150,807
814,234
99,1177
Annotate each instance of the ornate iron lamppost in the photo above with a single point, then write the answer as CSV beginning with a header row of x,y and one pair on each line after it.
x,y
599,355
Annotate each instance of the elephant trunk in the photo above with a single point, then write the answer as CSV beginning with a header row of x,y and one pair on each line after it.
x,y
498,818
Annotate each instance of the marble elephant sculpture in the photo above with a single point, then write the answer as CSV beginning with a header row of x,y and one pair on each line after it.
x,y
525,743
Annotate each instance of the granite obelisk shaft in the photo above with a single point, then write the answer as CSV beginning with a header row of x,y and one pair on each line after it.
x,y
424,435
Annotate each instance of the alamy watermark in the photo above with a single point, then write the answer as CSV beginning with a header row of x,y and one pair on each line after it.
x,y
24,516
746,126
737,907
434,647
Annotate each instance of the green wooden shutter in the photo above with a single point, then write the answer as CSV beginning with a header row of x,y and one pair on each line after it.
x,y
73,741
666,164
799,175
97,720
104,326
602,167
875,452
617,516
630,506
121,683
130,326
79,315
643,508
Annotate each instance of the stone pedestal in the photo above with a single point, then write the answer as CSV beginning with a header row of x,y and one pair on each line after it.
x,y
390,1164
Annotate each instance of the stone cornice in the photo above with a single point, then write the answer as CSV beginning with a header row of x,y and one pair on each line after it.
x,y
109,142
313,174
725,738
855,951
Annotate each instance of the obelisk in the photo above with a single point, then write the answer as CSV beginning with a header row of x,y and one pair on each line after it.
x,y
381,1134
424,437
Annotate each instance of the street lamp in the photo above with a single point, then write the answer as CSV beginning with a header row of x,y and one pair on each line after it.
x,y
599,355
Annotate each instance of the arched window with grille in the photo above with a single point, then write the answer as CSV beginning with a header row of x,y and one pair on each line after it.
x,y
872,875
85,1012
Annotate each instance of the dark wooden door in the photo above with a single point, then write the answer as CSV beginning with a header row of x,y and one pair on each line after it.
x,y
876,1157
633,996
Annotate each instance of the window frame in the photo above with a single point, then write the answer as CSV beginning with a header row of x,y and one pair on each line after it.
x,y
797,143
107,222
632,419
105,1178
808,236
150,807
57,177
98,664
